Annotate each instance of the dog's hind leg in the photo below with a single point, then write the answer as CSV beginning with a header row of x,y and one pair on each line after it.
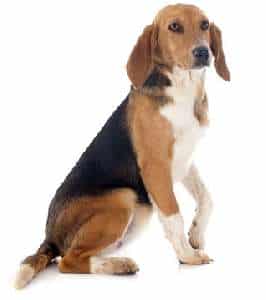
x,y
104,228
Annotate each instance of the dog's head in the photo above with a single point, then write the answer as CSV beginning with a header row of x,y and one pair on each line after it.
x,y
182,36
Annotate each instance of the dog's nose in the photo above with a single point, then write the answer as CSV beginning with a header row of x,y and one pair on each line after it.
x,y
201,53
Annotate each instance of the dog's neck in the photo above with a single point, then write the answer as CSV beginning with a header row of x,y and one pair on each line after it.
x,y
175,85
162,78
180,77
186,84
165,86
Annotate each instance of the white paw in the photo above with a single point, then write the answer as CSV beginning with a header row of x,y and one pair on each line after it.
x,y
198,258
196,237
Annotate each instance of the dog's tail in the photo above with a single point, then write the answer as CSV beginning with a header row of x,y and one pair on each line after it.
x,y
34,264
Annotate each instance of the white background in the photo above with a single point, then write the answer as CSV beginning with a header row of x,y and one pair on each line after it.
x,y
62,73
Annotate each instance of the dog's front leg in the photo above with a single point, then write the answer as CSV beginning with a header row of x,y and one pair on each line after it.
x,y
197,189
153,140
158,181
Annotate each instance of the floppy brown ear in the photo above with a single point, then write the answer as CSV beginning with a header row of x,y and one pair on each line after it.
x,y
216,45
140,62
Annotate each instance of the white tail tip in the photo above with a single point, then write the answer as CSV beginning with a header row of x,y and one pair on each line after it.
x,y
24,276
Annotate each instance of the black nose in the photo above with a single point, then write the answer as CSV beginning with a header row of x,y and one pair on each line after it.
x,y
201,53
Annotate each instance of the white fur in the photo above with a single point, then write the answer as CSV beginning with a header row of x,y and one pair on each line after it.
x,y
187,131
97,264
174,230
24,276
112,265
201,219
180,114
197,189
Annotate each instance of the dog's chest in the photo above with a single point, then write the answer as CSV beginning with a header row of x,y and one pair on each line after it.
x,y
186,128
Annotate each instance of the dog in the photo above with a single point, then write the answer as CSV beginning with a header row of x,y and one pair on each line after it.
x,y
145,146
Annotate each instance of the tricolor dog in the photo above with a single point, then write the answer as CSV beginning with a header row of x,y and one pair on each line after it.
x,y
146,145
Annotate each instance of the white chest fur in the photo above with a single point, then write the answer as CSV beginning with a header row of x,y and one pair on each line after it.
x,y
180,113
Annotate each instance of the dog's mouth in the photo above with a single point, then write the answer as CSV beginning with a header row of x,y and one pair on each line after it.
x,y
197,64
201,64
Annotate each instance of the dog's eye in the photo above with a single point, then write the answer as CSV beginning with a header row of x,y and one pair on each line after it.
x,y
176,27
204,25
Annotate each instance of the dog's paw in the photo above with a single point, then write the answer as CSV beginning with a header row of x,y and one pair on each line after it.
x,y
196,237
113,265
199,258
124,266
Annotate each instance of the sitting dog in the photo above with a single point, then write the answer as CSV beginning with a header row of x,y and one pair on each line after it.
x,y
145,146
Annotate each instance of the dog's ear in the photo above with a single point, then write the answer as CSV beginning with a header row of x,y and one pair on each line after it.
x,y
216,46
140,62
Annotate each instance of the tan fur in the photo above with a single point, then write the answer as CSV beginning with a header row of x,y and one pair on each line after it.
x,y
176,49
140,62
113,265
107,218
32,265
153,140
218,52
159,46
85,227
75,215
201,110
151,132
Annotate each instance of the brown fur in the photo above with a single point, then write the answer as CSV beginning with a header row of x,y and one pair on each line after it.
x,y
218,52
141,60
153,140
88,225
40,260
201,107
115,266
105,220
159,46
82,228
